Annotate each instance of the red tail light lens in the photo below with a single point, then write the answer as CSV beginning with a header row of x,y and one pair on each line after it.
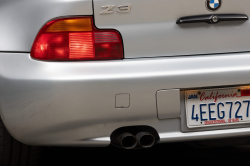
x,y
69,39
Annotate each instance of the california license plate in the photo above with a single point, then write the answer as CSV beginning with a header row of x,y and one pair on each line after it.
x,y
217,107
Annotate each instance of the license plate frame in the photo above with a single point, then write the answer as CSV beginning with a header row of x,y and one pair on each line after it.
x,y
194,100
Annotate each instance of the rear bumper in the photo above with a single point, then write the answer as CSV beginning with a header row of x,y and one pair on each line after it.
x,y
73,103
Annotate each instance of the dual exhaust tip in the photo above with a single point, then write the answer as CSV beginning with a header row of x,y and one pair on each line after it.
x,y
129,141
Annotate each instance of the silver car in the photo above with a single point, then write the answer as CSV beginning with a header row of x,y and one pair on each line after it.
x,y
131,73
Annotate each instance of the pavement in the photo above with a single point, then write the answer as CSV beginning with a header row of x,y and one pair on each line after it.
x,y
169,154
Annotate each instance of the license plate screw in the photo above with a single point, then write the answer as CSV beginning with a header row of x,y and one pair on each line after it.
x,y
199,93
239,90
201,122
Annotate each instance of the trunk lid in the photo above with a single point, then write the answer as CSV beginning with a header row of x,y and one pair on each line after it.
x,y
150,29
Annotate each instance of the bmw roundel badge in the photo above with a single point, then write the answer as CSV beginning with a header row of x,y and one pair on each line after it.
x,y
213,5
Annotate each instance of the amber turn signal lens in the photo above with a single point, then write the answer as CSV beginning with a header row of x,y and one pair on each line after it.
x,y
77,24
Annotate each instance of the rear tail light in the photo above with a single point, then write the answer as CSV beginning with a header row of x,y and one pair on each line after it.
x,y
69,39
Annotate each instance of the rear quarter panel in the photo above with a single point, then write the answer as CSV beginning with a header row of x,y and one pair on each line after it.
x,y
22,19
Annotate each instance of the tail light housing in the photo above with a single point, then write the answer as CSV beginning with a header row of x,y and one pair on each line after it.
x,y
70,39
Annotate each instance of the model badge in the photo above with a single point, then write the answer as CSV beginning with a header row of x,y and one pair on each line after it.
x,y
120,9
213,5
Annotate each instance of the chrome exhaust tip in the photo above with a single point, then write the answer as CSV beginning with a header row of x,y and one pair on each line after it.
x,y
145,139
127,140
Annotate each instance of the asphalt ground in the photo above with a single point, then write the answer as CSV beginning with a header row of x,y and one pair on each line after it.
x,y
162,154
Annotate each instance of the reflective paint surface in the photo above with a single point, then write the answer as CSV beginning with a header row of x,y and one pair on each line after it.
x,y
45,103
150,29
22,19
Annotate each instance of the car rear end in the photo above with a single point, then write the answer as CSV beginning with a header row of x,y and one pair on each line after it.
x,y
176,82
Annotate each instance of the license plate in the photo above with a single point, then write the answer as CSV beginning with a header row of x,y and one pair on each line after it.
x,y
217,107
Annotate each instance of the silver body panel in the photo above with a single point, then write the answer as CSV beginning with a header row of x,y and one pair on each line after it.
x,y
82,103
21,20
150,29
73,103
